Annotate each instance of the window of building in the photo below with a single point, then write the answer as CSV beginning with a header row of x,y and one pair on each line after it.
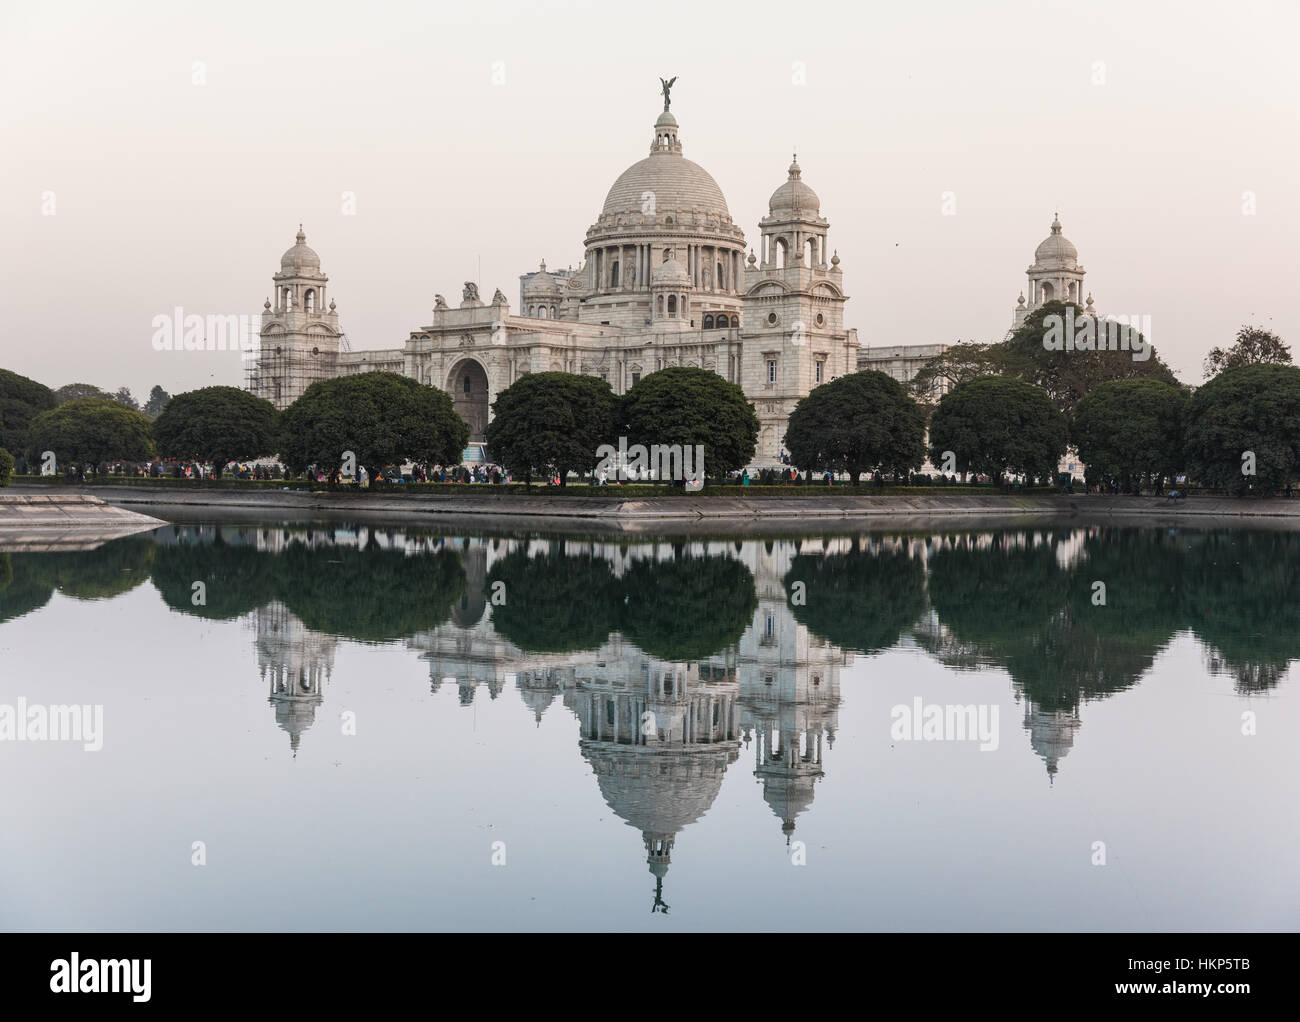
x,y
708,322
636,378
771,370
818,370
467,383
735,321
672,305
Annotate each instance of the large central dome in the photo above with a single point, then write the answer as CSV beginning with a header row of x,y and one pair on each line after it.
x,y
675,182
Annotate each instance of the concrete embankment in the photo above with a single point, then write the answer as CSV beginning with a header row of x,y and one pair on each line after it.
x,y
608,512
64,521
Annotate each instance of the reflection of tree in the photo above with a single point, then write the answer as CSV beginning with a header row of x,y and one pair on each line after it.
x,y
102,573
861,600
687,608
1241,597
996,592
238,578
554,603
27,589
369,595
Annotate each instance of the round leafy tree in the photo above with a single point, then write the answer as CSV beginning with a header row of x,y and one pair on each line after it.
x,y
216,424
863,422
554,603
1246,420
26,589
92,430
382,418
685,406
21,400
237,578
102,573
996,425
1131,430
551,422
861,600
688,608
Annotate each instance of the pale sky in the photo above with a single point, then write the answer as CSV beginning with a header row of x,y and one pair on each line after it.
x,y
1144,124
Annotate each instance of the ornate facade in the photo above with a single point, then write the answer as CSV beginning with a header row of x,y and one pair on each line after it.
x,y
665,281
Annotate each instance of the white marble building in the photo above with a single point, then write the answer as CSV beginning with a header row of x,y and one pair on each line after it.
x,y
665,281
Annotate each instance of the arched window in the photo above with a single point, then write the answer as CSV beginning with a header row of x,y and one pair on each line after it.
x,y
552,312
735,321
1046,290
708,322
532,310
309,300
288,298
672,305
781,251
541,311
661,305
613,274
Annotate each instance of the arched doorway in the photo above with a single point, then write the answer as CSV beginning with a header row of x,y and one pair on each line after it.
x,y
468,386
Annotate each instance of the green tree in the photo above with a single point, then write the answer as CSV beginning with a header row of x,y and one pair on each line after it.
x,y
1253,346
217,424
1131,430
383,418
1244,419
21,400
6,467
1067,375
858,423
158,399
680,405
81,391
959,363
996,425
125,397
92,430
551,422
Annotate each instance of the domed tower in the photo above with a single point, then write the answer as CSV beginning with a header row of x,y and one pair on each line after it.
x,y
300,333
542,296
1054,275
662,208
670,293
794,333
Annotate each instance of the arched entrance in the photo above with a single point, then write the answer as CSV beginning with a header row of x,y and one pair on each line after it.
x,y
468,386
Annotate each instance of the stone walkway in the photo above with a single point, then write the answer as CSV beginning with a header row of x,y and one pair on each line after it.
x,y
39,521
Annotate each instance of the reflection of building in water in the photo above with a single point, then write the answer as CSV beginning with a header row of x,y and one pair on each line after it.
x,y
789,687
295,662
1051,733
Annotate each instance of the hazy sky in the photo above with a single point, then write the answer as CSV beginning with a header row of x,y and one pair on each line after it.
x,y
170,193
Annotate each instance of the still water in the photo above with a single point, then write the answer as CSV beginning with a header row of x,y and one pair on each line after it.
x,y
351,727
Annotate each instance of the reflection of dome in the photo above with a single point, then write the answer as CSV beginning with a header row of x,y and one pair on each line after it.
x,y
300,258
671,272
1056,252
1051,733
675,182
794,196
659,790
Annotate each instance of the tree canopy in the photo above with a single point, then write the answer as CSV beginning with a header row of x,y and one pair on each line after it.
x,y
1243,429
1131,430
21,400
861,422
158,399
383,418
1067,375
217,424
1253,346
81,391
681,405
92,430
959,363
551,422
996,425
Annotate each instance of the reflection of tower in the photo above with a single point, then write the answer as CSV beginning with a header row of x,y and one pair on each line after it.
x,y
1051,733
789,689
659,737
295,662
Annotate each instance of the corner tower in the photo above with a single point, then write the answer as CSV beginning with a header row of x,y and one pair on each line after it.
x,y
794,335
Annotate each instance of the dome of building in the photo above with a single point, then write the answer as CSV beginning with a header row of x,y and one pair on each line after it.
x,y
671,272
300,258
1056,252
541,283
794,196
675,182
